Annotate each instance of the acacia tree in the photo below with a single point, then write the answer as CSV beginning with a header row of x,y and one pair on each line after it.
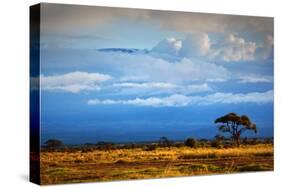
x,y
164,141
235,125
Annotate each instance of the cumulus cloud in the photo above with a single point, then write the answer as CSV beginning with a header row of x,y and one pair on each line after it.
x,y
170,46
178,100
196,44
235,48
232,48
73,82
203,43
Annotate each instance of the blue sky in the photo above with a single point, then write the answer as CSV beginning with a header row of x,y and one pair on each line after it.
x,y
133,75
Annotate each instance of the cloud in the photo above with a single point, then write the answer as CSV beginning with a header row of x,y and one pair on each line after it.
x,y
255,79
265,50
216,80
133,78
152,88
203,43
136,68
196,44
62,18
159,70
230,98
231,48
173,100
147,68
196,88
154,85
168,46
73,82
235,48
178,100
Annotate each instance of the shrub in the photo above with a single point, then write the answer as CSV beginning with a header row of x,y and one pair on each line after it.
x,y
178,144
191,142
150,148
216,144
53,144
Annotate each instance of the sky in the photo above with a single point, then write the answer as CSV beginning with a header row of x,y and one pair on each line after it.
x,y
129,75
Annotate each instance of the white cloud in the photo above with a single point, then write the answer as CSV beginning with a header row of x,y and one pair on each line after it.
x,y
178,100
141,68
169,46
232,48
266,48
173,100
235,48
196,44
214,80
179,72
73,82
195,88
149,85
133,78
255,79
230,98
144,67
203,43
152,88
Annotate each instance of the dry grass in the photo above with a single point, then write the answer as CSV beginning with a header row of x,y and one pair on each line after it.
x,y
119,164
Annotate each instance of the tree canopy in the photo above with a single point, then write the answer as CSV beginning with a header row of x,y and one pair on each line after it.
x,y
235,125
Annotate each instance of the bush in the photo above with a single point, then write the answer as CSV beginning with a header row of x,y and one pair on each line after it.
x,y
216,144
191,142
150,147
178,144
53,144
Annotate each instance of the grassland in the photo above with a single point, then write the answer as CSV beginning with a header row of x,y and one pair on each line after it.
x,y
138,163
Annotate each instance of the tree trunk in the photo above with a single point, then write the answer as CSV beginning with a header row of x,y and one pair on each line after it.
x,y
237,140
